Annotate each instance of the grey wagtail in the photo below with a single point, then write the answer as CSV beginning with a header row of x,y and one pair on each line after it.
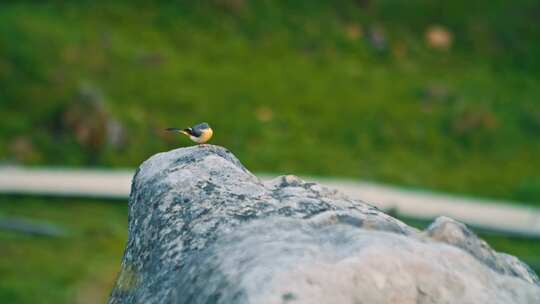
x,y
199,133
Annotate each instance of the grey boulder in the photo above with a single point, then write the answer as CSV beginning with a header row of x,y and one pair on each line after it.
x,y
203,229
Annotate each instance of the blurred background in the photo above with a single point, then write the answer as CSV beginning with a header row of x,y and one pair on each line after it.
x,y
423,94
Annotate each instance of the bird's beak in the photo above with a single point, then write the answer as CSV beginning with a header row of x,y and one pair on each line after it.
x,y
184,132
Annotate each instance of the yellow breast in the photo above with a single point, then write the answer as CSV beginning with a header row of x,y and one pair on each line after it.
x,y
205,136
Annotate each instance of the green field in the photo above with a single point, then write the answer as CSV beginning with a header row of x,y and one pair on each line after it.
x,y
82,266
353,88
342,88
78,268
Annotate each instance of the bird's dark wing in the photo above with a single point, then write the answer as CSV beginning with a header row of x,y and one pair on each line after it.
x,y
188,130
195,132
199,128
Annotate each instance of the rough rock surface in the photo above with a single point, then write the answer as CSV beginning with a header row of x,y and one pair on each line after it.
x,y
203,229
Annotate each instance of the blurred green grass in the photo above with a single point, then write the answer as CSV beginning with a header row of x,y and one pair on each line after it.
x,y
78,268
327,88
289,86
82,267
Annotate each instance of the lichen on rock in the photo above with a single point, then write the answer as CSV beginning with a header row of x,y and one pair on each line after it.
x,y
203,229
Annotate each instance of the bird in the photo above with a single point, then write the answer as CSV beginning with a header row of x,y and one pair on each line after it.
x,y
199,133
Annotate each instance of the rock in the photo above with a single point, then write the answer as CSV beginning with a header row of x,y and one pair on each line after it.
x,y
353,31
377,38
23,150
31,227
86,117
203,229
439,37
93,125
116,133
264,114
436,94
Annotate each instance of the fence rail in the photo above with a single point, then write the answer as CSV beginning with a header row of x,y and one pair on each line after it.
x,y
501,217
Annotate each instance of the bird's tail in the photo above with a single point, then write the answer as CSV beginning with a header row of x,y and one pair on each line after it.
x,y
183,131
